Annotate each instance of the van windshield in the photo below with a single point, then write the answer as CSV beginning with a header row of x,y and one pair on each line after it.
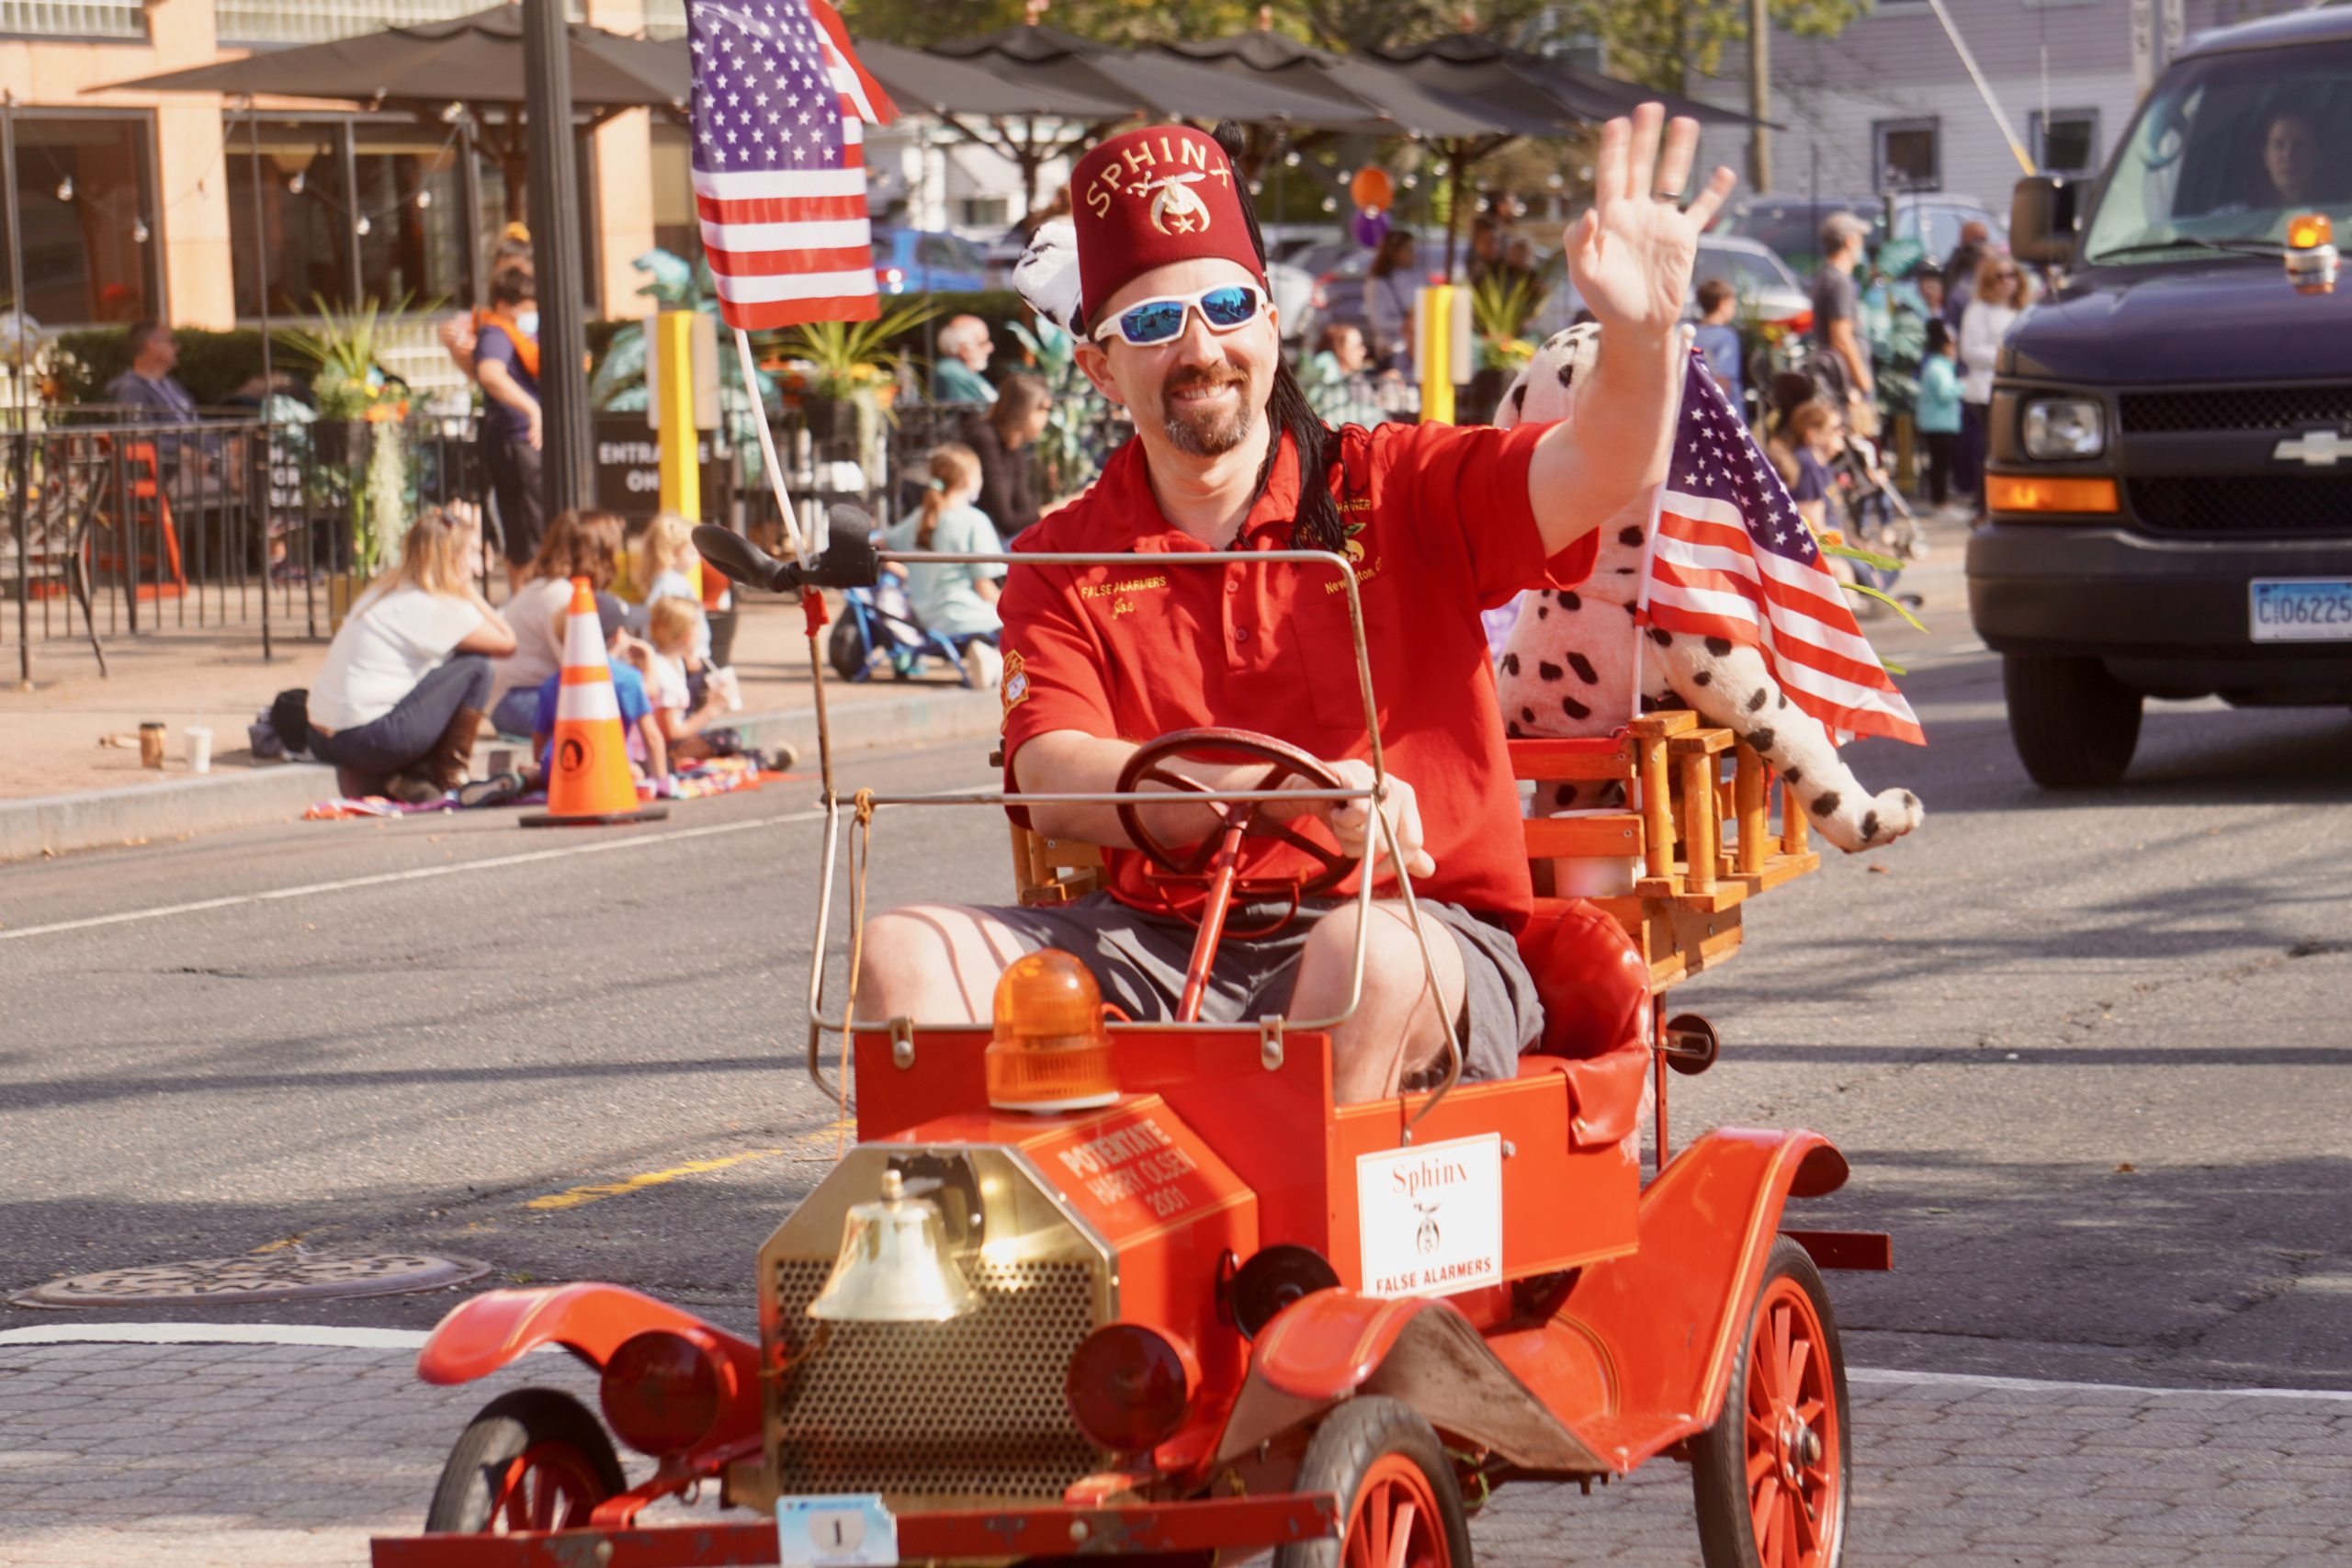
x,y
2226,150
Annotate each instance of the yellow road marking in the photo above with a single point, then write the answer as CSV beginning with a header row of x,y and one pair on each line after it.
x,y
573,1197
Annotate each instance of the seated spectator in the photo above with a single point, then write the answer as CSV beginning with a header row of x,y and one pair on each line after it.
x,y
957,600
578,544
965,349
150,390
406,682
681,711
647,752
1004,438
1338,378
666,557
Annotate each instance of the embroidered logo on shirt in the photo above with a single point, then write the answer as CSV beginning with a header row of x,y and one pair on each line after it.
x,y
1016,682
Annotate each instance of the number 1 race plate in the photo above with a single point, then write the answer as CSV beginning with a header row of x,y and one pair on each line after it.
x,y
2301,609
835,1532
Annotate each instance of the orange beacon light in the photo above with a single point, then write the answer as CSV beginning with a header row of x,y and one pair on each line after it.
x,y
1050,1050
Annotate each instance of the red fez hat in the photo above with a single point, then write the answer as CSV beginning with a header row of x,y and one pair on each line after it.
x,y
1151,196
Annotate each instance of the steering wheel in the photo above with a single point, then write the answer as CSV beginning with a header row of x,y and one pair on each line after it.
x,y
1151,764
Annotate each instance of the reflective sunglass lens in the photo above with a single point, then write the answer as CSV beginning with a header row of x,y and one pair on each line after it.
x,y
1155,321
1228,307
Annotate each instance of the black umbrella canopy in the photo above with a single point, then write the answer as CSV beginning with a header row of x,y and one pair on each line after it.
x,y
919,79
1511,86
471,59
1362,97
1152,81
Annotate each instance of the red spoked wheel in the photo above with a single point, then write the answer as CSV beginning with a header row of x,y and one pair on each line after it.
x,y
1400,1502
533,1460
1772,1473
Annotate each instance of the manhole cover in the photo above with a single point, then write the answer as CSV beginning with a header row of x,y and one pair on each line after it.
x,y
235,1281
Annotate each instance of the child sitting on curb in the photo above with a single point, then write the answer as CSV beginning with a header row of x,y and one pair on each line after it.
x,y
648,749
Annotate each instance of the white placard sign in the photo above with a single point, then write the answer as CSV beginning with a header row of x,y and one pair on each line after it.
x,y
1431,1218
852,1532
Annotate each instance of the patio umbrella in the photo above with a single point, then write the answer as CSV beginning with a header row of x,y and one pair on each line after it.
x,y
470,60
1521,95
1151,81
982,106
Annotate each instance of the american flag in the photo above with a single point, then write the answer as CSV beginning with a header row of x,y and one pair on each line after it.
x,y
779,161
1730,558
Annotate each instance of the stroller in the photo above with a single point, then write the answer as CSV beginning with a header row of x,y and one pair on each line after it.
x,y
878,630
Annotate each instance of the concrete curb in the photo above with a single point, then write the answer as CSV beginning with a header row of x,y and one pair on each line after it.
x,y
56,823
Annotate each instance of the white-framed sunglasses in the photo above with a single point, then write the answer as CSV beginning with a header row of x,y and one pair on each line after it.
x,y
1154,321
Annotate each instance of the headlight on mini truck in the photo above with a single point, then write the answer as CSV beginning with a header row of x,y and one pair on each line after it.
x,y
2059,428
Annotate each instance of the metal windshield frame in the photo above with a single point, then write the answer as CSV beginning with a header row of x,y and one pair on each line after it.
x,y
848,1026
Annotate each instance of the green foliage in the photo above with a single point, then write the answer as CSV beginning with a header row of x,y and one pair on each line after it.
x,y
345,352
213,366
1662,42
846,357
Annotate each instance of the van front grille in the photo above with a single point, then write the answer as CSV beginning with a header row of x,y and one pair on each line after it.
x,y
2244,505
2289,408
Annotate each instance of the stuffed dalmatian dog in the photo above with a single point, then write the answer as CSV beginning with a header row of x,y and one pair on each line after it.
x,y
1570,664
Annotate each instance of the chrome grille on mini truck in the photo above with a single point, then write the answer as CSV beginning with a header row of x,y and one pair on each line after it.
x,y
968,1411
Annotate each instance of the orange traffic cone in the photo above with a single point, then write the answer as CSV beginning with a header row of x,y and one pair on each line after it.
x,y
588,776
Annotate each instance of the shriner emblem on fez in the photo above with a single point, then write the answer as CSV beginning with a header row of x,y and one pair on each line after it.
x,y
1176,208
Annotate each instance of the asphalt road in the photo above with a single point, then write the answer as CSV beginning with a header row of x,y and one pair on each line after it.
x,y
2086,1053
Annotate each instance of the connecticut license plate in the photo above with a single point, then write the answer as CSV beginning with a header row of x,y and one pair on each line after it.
x,y
853,1532
2301,609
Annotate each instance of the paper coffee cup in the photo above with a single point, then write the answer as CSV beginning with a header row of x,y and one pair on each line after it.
x,y
200,749
150,745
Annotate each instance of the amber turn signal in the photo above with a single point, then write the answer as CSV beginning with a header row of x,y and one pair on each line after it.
x,y
2022,492
1049,1050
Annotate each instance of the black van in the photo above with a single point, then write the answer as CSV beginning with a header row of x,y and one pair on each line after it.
x,y
2170,435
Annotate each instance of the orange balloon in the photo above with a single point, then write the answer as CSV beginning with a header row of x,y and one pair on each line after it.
x,y
1371,188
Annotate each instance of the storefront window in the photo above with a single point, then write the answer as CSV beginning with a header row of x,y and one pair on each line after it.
x,y
369,208
676,227
85,188
305,209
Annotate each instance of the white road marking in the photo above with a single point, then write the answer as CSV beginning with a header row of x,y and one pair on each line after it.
x,y
410,1338
1883,1375
418,874
214,1334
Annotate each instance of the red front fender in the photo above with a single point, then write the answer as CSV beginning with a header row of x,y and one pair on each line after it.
x,y
1672,1313
484,1334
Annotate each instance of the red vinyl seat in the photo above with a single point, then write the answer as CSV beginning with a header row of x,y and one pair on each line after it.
x,y
1595,988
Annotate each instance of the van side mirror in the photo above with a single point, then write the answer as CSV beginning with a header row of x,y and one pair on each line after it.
x,y
2043,219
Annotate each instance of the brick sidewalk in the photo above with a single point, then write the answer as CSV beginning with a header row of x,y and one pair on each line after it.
x,y
237,1455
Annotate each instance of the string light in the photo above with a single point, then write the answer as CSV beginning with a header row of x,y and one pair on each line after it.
x,y
361,226
1291,158
139,230
1330,204
424,200
65,188
294,184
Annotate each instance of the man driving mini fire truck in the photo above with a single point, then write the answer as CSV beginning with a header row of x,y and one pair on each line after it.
x,y
1167,295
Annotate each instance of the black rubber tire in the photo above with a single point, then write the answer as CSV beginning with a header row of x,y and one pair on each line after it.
x,y
1719,1454
1344,1450
844,651
497,1436
2074,726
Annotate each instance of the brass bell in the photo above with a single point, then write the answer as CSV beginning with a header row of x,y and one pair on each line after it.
x,y
894,1265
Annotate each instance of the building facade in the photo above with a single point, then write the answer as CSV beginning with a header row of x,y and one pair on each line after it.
x,y
1888,105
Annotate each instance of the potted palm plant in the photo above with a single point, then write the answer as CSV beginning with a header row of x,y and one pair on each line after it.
x,y
844,373
358,439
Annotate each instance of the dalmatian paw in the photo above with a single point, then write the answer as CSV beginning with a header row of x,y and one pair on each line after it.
x,y
1865,822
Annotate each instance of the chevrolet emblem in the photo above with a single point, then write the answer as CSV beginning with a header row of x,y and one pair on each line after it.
x,y
2314,448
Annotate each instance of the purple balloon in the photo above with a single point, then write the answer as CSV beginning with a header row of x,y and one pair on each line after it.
x,y
1371,228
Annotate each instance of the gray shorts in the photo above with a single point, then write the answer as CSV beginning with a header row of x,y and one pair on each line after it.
x,y
1139,961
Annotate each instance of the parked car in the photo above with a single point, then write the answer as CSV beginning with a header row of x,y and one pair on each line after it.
x,y
2171,515
924,261
1764,286
1790,226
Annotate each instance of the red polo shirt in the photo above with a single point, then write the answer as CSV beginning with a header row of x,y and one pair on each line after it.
x,y
1441,518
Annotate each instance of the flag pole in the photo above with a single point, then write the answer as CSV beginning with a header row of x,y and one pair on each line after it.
x,y
767,445
1649,542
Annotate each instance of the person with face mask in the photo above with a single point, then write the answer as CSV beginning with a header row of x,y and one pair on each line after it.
x,y
507,360
1175,323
